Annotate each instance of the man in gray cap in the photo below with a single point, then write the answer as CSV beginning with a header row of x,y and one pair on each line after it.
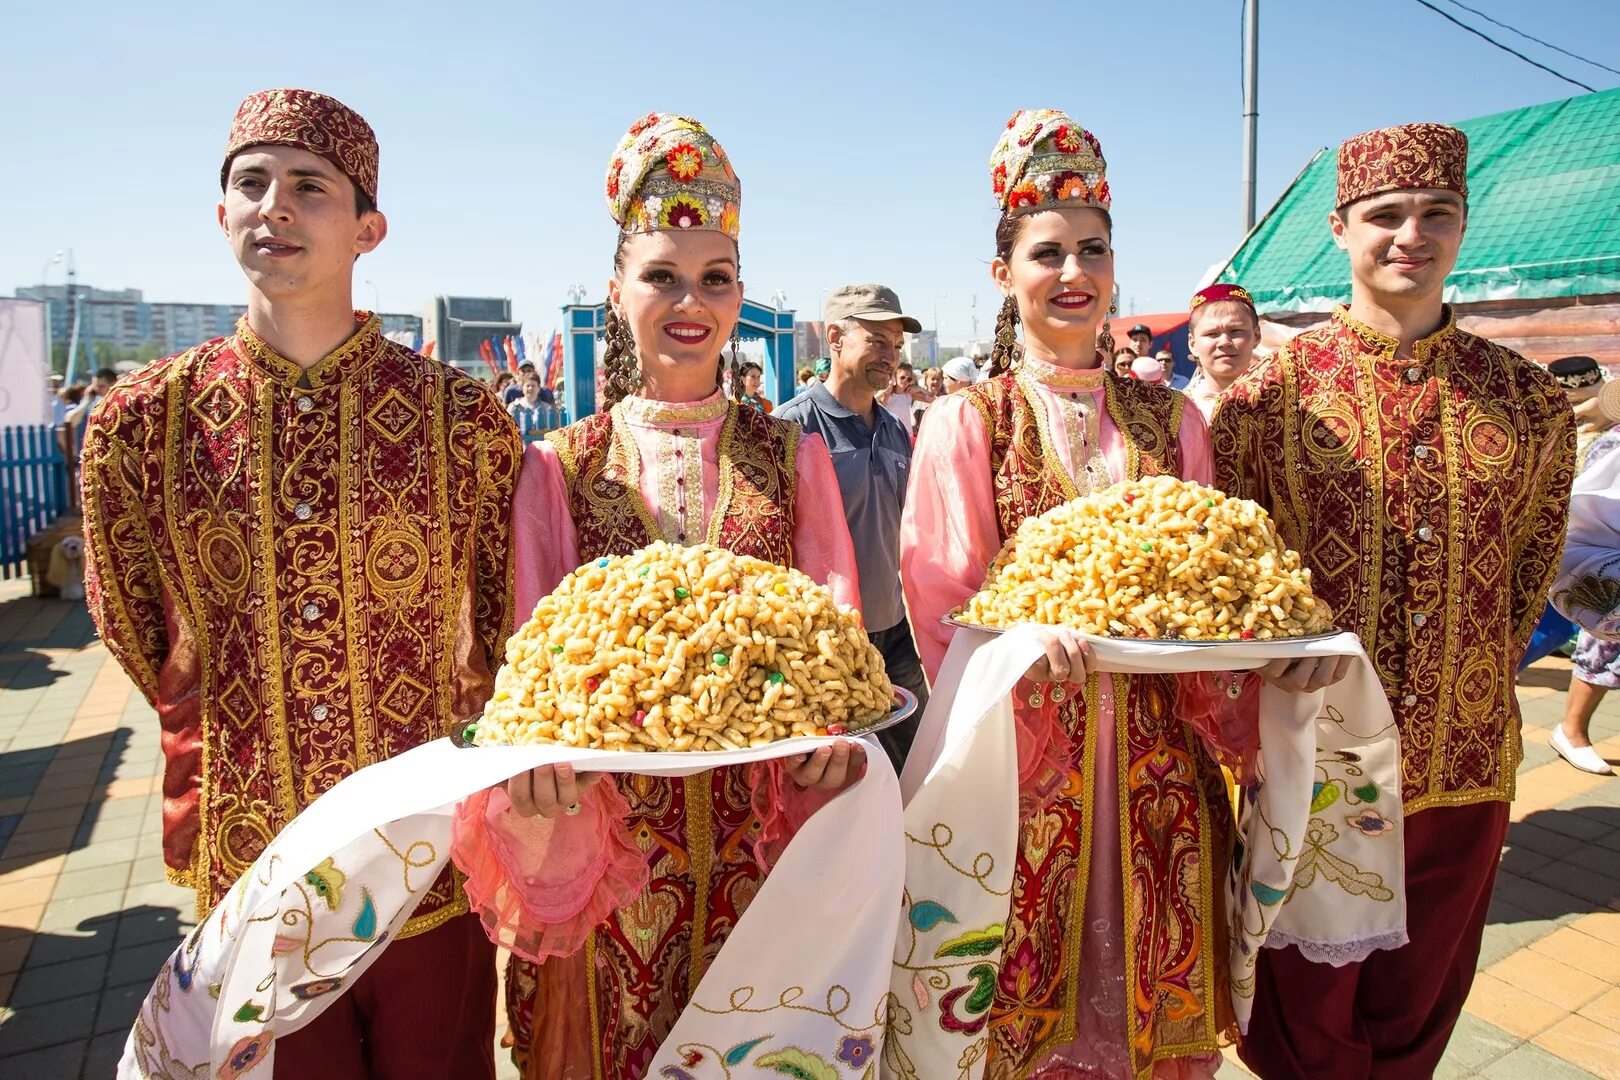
x,y
871,453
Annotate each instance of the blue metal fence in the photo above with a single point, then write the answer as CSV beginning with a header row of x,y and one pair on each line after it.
x,y
33,491
543,419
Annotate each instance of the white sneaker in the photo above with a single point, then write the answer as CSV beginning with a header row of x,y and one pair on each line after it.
x,y
1584,758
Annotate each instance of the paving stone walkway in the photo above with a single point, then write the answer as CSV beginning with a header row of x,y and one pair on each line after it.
x,y
86,917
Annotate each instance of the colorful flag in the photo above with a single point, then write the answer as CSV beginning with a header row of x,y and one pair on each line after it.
x,y
554,360
486,352
523,356
416,343
427,350
511,354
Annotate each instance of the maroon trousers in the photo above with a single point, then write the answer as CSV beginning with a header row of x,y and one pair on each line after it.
x,y
424,1011
1391,1015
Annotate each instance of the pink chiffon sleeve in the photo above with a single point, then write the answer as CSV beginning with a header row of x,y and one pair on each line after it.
x,y
540,885
948,532
1229,724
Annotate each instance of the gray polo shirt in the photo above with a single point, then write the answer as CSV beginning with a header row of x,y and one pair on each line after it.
x,y
873,465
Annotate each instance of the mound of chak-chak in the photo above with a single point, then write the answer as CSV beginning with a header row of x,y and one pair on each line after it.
x,y
1159,558
687,649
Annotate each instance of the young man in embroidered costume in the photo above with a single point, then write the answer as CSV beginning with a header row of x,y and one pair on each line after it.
x,y
630,886
299,551
1222,330
1424,475
1050,424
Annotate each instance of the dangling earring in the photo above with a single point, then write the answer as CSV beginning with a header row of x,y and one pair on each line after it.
x,y
1105,338
736,362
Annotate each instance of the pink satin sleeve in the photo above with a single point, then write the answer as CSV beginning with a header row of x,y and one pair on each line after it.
x,y
1197,460
545,546
822,547
948,532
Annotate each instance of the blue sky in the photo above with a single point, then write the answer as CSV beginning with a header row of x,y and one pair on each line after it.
x,y
860,130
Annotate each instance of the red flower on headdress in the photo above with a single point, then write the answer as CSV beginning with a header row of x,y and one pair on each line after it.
x,y
615,167
1071,185
728,219
998,178
682,213
644,123
1066,140
685,161
1028,138
1023,195
647,145
1102,193
1012,121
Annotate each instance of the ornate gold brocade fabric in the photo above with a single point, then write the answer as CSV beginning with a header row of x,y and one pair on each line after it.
x,y
304,571
1429,497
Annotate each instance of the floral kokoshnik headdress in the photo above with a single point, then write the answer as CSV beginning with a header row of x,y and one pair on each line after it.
x,y
668,173
1043,161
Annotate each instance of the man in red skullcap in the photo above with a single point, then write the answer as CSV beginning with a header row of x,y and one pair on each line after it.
x,y
1424,475
1222,331
299,551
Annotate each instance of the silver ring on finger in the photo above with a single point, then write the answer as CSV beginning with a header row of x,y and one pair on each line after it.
x,y
571,809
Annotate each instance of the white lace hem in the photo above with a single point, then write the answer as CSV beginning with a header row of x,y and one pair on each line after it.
x,y
1344,951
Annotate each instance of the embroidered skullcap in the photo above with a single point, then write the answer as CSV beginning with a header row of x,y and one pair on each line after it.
x,y
1045,160
1214,294
1576,372
1397,158
310,121
669,173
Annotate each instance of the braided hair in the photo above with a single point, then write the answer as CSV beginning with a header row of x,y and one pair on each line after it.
x,y
1004,353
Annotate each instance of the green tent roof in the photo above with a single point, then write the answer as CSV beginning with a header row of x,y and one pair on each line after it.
x,y
1543,215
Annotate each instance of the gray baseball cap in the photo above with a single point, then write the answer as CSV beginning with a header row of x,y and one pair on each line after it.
x,y
872,302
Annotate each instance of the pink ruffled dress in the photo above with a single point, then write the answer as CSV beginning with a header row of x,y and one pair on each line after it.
x,y
948,537
543,886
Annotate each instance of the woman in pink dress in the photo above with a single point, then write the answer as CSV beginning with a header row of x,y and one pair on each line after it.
x,y
1114,958
625,890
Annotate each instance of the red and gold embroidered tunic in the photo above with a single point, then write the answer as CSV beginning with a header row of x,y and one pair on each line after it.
x,y
1428,495
711,471
305,572
1114,953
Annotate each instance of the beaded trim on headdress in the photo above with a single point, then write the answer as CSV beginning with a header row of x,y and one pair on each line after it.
x,y
669,173
1397,158
310,121
1045,160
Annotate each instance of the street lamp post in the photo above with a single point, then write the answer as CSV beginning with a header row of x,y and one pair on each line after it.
x,y
576,294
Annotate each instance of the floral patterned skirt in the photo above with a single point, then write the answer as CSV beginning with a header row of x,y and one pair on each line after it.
x,y
1597,662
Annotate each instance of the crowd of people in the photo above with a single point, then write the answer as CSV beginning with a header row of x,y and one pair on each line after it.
x,y
308,544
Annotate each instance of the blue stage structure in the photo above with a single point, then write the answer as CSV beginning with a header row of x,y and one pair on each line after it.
x,y
584,322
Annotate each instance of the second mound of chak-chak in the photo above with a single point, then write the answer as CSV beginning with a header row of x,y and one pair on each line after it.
x,y
685,649
1160,558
